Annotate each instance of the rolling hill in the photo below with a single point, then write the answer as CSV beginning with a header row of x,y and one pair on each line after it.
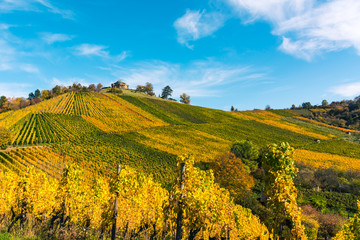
x,y
146,135
100,130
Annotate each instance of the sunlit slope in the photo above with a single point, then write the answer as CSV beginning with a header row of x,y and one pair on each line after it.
x,y
100,130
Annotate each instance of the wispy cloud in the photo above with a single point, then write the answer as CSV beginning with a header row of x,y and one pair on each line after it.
x,y
198,79
9,89
69,81
347,90
51,38
308,27
33,5
98,50
197,24
29,68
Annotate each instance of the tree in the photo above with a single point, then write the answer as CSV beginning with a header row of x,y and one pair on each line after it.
x,y
92,88
293,106
184,98
45,94
324,103
99,87
140,88
166,92
232,108
267,107
2,101
281,193
37,93
230,173
5,138
306,105
247,152
56,90
149,89
31,95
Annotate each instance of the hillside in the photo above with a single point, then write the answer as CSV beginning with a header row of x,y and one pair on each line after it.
x,y
102,129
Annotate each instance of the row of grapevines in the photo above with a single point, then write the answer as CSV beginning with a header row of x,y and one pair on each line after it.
x,y
37,128
83,204
43,158
276,121
326,160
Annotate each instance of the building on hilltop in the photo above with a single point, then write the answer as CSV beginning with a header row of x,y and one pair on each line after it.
x,y
120,84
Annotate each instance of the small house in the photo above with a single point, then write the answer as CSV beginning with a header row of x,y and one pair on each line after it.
x,y
120,85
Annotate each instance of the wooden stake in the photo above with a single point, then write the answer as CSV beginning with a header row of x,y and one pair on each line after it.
x,y
113,230
180,212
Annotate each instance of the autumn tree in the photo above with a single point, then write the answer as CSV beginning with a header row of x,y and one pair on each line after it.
x,y
230,173
281,193
166,92
5,138
45,94
149,89
92,88
99,87
140,88
184,98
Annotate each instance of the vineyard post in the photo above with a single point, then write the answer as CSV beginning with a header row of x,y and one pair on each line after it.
x,y
180,212
113,230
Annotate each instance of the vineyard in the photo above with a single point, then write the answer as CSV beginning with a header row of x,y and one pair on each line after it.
x,y
97,131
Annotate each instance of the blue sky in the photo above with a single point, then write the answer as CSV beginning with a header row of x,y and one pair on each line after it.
x,y
244,53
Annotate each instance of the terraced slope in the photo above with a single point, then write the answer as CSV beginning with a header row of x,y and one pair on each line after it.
x,y
100,130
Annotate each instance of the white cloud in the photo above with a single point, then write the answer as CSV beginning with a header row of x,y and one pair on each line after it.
x,y
91,49
51,38
195,24
9,89
29,68
347,90
100,51
198,79
33,5
7,54
308,27
69,81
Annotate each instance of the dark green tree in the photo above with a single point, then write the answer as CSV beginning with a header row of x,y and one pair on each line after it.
x,y
232,108
56,90
324,103
37,93
166,92
306,105
31,96
247,152
2,101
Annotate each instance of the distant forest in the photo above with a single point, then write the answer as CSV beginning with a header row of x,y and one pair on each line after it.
x,y
345,113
